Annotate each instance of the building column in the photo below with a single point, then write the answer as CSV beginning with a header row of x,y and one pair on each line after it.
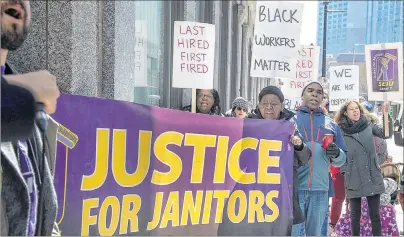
x,y
68,44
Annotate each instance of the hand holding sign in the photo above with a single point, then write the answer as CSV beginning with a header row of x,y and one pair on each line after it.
x,y
386,107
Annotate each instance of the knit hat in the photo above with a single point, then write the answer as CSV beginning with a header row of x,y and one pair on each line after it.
x,y
368,106
241,103
271,90
310,83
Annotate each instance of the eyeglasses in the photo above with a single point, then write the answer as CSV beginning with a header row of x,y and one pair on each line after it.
x,y
208,96
241,109
267,104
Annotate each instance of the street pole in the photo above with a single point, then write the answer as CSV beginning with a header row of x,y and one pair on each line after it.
x,y
324,69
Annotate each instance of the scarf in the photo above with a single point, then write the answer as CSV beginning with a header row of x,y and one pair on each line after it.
x,y
351,127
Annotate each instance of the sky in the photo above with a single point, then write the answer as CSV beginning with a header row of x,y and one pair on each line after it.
x,y
309,26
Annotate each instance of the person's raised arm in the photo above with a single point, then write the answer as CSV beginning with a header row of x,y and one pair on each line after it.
x,y
17,112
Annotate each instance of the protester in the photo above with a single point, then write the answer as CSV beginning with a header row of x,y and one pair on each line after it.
x,y
240,108
314,181
271,107
338,175
207,102
363,176
28,198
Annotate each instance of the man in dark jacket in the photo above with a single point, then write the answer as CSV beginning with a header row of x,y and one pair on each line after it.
x,y
271,107
28,198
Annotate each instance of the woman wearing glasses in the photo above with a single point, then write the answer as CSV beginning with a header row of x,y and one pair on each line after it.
x,y
240,108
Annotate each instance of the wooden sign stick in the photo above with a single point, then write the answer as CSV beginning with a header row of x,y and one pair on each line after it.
x,y
385,116
193,105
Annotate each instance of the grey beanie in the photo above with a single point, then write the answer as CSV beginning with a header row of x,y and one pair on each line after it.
x,y
312,82
241,103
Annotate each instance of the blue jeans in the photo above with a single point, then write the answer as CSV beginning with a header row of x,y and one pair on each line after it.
x,y
324,228
331,191
314,205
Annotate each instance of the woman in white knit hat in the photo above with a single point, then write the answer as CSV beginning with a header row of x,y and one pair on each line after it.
x,y
240,108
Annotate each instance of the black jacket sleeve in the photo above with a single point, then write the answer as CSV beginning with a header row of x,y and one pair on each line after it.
x,y
17,112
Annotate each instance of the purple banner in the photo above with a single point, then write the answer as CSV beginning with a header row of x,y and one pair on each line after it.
x,y
130,169
384,70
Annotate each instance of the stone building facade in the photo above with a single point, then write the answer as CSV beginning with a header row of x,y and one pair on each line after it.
x,y
89,46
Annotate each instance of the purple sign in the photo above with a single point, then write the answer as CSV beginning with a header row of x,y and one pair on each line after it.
x,y
130,169
384,70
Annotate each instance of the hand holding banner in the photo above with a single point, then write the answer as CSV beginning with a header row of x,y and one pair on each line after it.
x,y
168,172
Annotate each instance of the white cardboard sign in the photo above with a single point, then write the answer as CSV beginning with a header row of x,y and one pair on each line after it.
x,y
344,85
306,71
276,39
307,63
193,55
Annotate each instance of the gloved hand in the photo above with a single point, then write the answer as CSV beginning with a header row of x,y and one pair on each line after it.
x,y
332,151
297,143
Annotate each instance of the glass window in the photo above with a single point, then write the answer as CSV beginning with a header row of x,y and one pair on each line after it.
x,y
138,47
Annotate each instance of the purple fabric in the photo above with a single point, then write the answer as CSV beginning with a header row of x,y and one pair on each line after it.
x,y
28,174
387,217
3,70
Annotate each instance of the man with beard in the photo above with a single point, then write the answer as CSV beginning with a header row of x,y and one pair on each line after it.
x,y
314,179
28,198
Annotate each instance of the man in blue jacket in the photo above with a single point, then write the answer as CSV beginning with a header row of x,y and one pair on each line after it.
x,y
314,178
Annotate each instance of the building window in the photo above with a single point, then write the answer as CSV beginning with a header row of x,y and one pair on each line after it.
x,y
138,51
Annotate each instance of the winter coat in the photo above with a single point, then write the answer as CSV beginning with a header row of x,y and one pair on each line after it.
x,y
380,143
226,228
363,175
14,206
314,125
